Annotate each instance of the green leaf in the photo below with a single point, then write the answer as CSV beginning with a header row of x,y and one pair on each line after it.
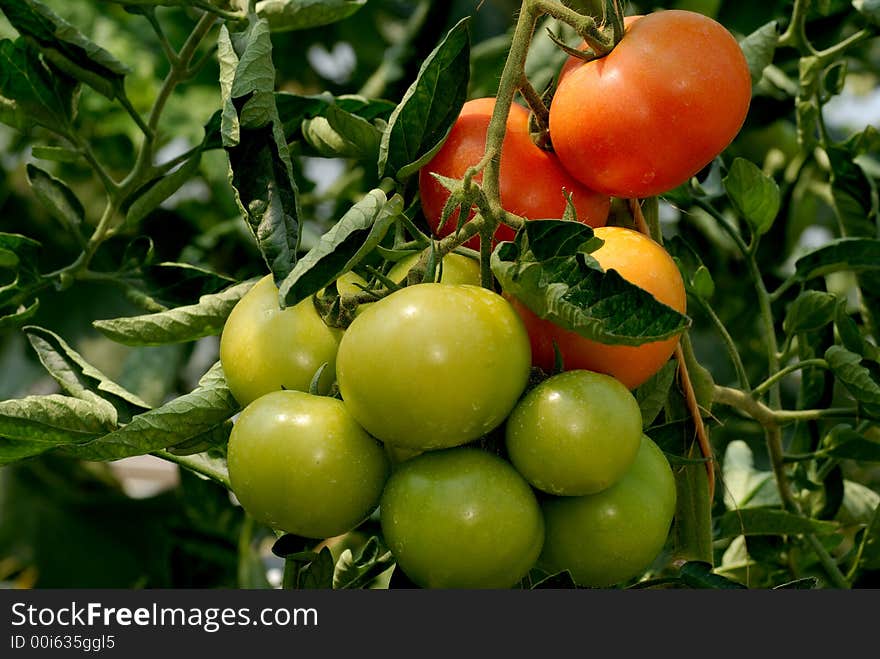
x,y
35,424
55,154
849,332
180,420
260,169
318,573
420,123
66,47
652,394
810,311
744,485
754,194
870,9
58,199
759,47
186,323
357,571
769,521
699,574
29,93
286,15
148,197
181,283
853,254
856,378
342,247
340,134
870,544
80,379
846,443
548,269
854,193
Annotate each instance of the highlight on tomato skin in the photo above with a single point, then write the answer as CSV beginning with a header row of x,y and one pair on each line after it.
x,y
642,120
533,182
639,260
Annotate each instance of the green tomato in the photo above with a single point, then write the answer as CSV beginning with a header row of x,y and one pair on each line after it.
x,y
265,348
575,433
613,536
300,463
461,518
433,365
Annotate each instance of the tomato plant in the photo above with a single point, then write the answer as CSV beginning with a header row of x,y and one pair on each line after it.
x,y
645,118
645,263
459,362
532,182
574,433
300,463
612,536
265,348
461,518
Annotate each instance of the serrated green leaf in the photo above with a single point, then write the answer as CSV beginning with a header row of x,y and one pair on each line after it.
x,y
287,15
754,194
66,47
35,424
548,269
79,378
856,378
759,47
58,199
842,254
180,420
769,521
810,311
342,247
186,323
423,118
652,395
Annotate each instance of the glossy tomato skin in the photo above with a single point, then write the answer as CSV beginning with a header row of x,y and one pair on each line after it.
x,y
532,180
433,365
612,536
644,263
300,463
575,433
461,518
642,120
264,348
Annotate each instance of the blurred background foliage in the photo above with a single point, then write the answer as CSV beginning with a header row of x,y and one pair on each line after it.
x,y
64,523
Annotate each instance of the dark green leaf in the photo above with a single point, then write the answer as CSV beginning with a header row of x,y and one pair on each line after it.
x,y
811,310
286,15
699,574
652,394
768,521
58,199
420,123
318,573
186,323
80,379
856,378
754,194
179,420
66,47
55,154
855,254
29,93
759,48
854,193
548,269
181,283
147,198
342,247
358,570
32,425
340,134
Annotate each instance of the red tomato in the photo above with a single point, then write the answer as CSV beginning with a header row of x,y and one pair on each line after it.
x,y
649,115
532,181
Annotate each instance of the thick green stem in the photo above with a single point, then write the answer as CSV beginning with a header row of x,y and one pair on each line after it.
x,y
795,35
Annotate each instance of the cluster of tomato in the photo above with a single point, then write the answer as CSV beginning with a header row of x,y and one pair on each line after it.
x,y
426,374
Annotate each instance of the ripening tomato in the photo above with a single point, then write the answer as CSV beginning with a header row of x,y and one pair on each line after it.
x,y
641,261
659,107
610,537
433,365
300,463
265,348
532,181
461,518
